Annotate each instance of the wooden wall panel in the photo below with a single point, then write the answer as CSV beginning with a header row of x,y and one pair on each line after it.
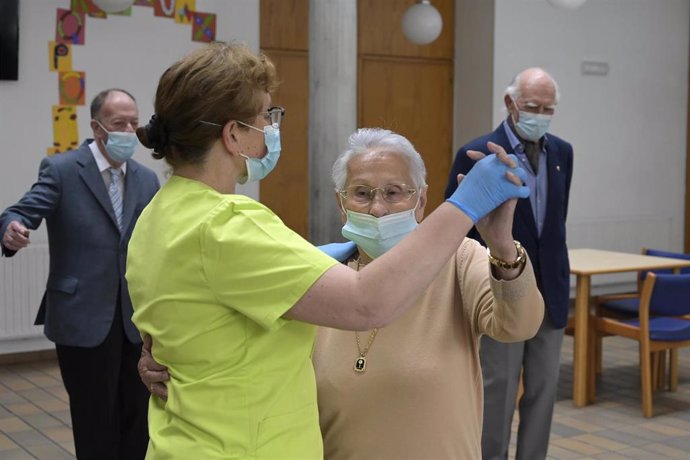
x,y
401,86
408,88
413,98
284,24
286,189
284,37
380,29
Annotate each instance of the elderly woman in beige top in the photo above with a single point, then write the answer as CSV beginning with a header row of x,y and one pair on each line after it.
x,y
413,389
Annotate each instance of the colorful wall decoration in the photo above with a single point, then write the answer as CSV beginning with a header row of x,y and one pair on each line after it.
x,y
70,31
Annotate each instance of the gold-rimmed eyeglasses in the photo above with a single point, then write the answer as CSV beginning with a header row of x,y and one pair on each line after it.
x,y
364,194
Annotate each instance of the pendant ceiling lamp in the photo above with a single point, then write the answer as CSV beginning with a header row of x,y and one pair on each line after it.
x,y
422,23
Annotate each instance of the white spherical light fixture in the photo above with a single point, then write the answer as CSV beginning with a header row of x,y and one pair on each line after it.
x,y
567,4
113,6
422,23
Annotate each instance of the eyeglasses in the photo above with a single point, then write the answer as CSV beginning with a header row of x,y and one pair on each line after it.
x,y
364,194
119,125
274,115
533,107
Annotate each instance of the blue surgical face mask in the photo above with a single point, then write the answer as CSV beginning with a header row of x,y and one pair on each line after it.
x,y
258,168
376,235
532,126
120,145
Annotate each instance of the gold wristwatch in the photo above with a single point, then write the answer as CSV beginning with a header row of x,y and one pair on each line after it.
x,y
521,257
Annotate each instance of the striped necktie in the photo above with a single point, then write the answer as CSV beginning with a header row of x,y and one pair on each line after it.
x,y
115,194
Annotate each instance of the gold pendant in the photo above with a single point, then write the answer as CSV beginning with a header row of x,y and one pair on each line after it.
x,y
360,364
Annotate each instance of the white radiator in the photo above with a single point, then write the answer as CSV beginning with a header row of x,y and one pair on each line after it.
x,y
22,283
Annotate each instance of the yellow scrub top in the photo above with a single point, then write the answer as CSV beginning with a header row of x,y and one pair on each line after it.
x,y
210,276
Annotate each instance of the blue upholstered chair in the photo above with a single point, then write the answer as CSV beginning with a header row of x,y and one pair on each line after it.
x,y
627,306
661,324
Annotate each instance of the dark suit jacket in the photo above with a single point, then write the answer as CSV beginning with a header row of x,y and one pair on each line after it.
x,y
548,253
87,251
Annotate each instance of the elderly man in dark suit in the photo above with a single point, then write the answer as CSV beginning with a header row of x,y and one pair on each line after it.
x,y
539,223
91,198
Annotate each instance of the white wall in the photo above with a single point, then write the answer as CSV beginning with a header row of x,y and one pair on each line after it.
x,y
127,52
628,128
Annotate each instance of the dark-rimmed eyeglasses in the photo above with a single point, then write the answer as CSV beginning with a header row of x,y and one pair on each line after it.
x,y
364,194
274,115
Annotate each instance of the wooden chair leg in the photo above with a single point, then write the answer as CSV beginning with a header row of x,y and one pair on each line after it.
x,y
521,391
654,364
673,370
646,379
661,383
598,354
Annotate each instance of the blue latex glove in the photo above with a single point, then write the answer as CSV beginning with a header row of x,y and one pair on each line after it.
x,y
339,251
486,187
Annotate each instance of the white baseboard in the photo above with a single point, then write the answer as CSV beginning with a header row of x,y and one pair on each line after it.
x,y
9,346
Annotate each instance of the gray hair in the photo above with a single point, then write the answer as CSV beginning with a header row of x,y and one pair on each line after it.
x,y
365,140
513,89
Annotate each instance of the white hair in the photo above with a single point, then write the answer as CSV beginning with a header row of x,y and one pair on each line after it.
x,y
513,89
365,140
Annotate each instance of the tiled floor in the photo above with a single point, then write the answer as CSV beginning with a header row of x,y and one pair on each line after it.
x,y
34,413
35,424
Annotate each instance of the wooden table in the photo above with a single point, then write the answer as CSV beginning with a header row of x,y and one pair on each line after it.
x,y
587,262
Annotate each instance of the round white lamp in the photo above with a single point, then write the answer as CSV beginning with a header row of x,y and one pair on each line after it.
x,y
113,6
422,23
567,4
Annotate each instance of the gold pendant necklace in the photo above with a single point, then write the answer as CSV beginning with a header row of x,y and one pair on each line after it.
x,y
361,361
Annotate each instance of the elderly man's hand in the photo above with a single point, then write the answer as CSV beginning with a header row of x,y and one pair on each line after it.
x,y
16,236
496,228
153,375
492,181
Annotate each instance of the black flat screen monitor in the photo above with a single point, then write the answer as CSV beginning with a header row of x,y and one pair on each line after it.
x,y
9,39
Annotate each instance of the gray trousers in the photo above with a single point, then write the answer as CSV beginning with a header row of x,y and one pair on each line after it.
x,y
539,358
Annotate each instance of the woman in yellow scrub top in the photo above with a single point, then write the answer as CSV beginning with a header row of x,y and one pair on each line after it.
x,y
230,295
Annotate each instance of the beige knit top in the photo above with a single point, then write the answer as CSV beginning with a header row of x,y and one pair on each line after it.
x,y
421,395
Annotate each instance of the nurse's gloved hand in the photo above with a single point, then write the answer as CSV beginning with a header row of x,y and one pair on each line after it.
x,y
339,251
491,181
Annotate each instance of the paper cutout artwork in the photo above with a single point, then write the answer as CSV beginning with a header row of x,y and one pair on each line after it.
x,y
164,8
184,10
144,3
71,86
204,27
69,27
59,56
88,7
65,129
